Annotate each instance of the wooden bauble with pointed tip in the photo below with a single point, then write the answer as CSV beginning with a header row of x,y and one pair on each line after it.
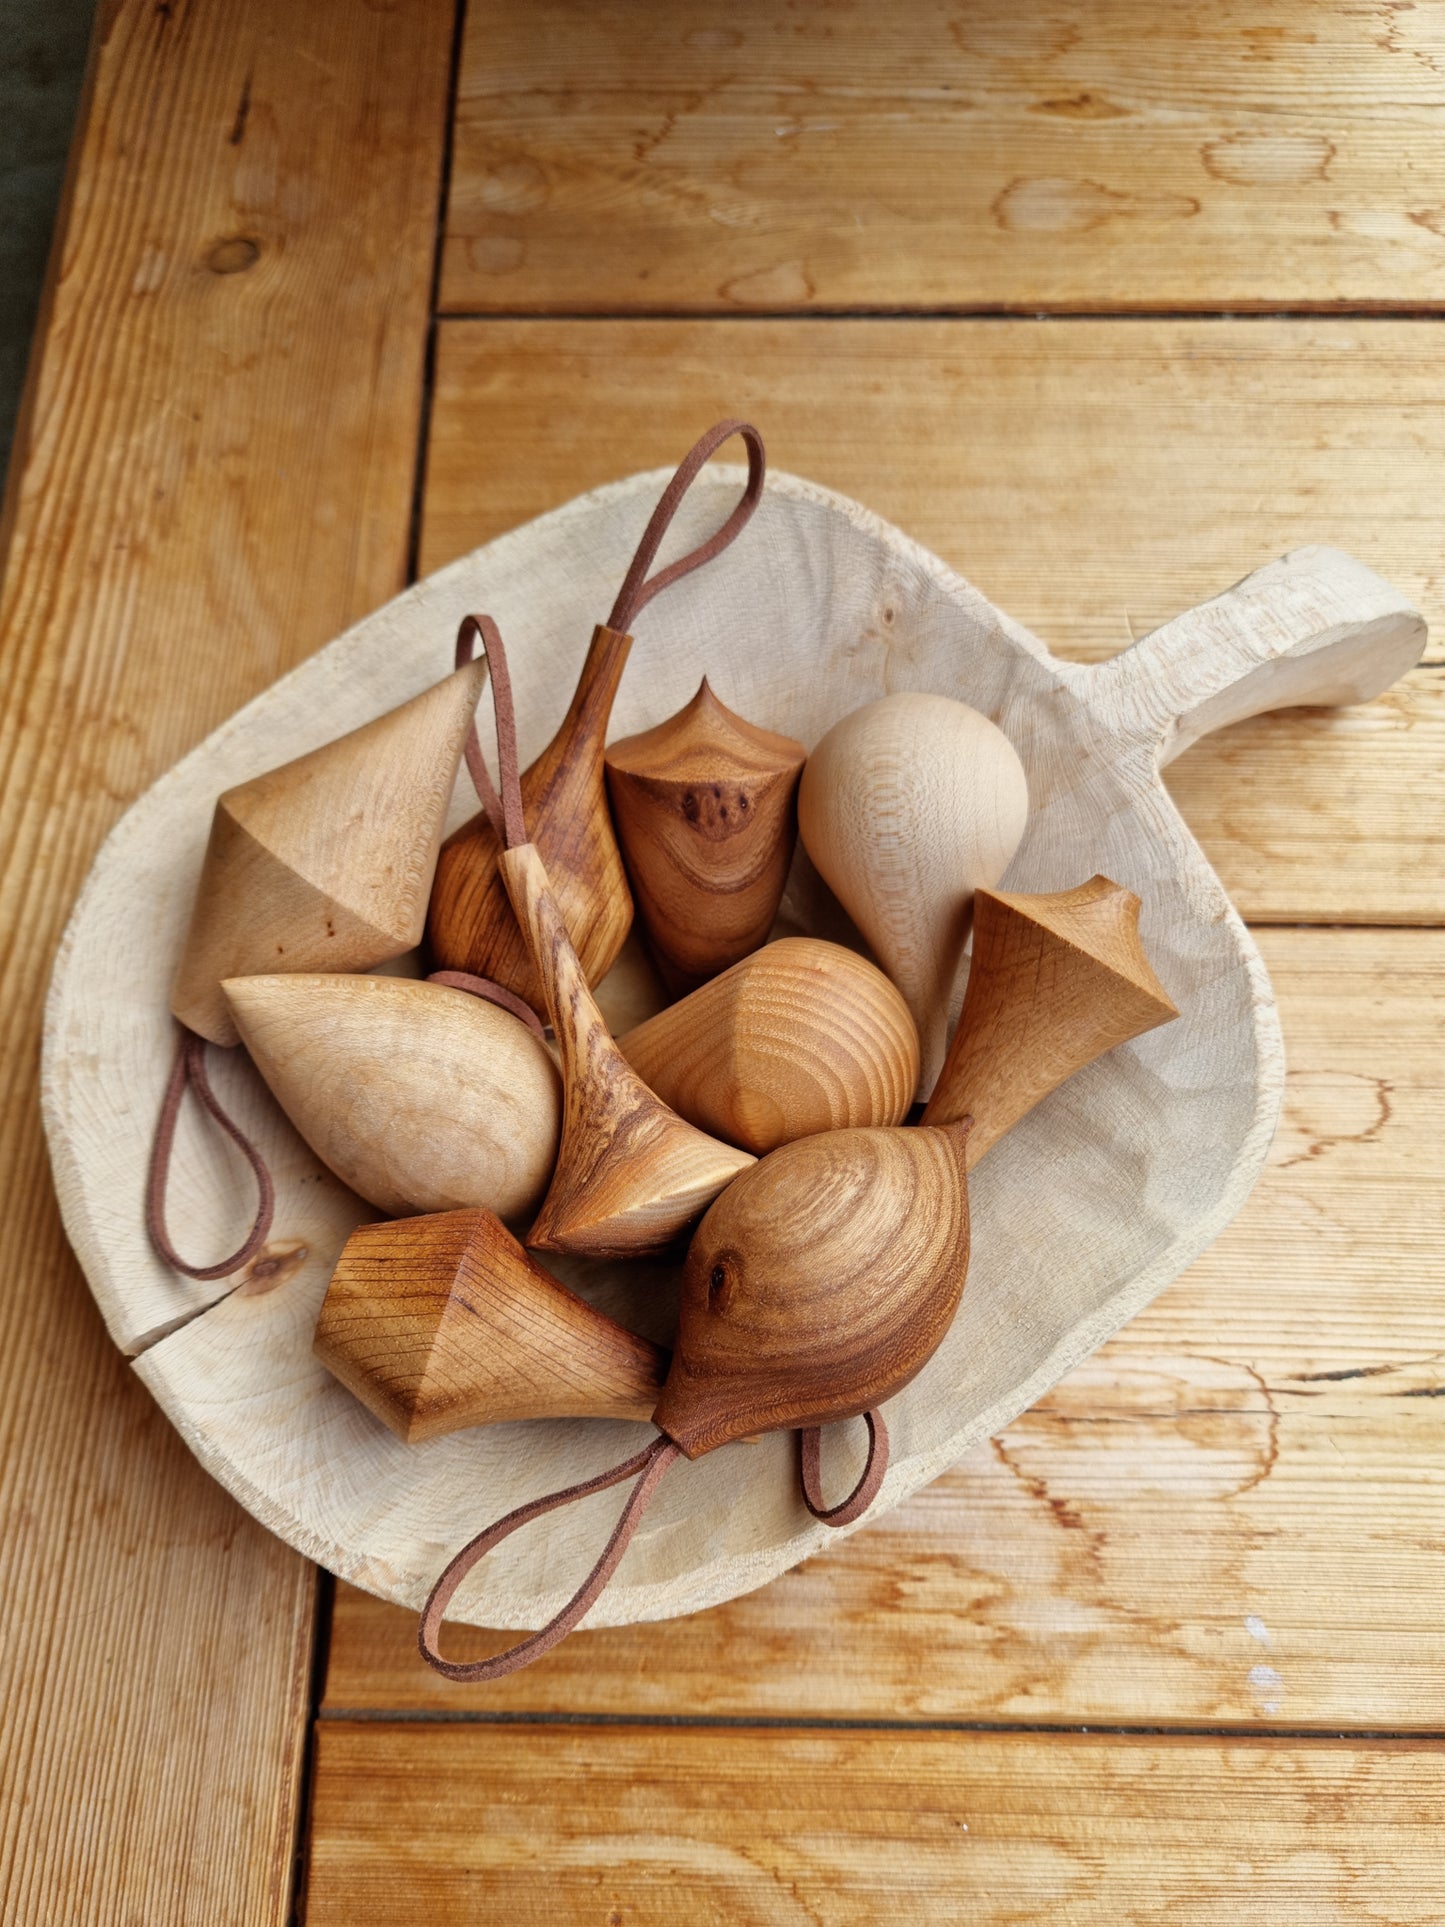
x,y
705,808
1056,980
470,925
442,1322
801,1036
327,862
906,807
819,1283
630,1173
420,1097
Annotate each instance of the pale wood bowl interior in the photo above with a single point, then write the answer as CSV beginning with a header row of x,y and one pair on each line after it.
x,y
1087,1209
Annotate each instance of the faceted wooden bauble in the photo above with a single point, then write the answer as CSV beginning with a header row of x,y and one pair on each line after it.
x,y
801,1036
327,862
419,1097
818,1284
442,1322
470,925
1056,980
705,807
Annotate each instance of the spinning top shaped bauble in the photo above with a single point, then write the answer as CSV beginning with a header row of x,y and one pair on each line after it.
x,y
801,1036
819,1284
705,811
630,1173
470,925
419,1097
907,807
1055,982
327,862
442,1322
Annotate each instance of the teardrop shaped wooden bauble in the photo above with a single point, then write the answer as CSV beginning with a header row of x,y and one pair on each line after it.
x,y
705,808
1055,981
630,1173
419,1097
470,925
327,862
819,1283
801,1036
442,1322
906,807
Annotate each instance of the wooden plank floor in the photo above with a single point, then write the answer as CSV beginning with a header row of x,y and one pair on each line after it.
x,y
988,270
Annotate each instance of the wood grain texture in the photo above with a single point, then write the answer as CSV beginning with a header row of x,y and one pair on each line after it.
x,y
211,477
442,1322
802,1036
1232,1514
1065,154
754,1827
705,807
1093,479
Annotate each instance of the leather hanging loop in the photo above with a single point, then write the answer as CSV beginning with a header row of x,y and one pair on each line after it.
x,y
505,810
866,1490
652,1462
490,993
637,588
189,1073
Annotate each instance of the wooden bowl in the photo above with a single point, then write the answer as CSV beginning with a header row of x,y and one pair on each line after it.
x,y
1094,1202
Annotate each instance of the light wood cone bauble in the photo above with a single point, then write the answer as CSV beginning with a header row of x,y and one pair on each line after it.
x,y
630,1173
419,1097
705,812
470,925
819,1283
327,862
1055,981
801,1036
906,807
442,1322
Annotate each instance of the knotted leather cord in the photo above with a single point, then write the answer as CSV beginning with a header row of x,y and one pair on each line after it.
x,y
652,1462
637,590
189,1072
866,1490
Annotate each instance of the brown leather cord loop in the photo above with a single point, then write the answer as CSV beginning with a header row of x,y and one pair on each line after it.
x,y
652,1462
189,1072
866,1490
491,993
637,590
505,810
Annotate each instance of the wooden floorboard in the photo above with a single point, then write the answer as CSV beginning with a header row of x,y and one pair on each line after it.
x,y
1107,155
1232,1515
213,475
1093,478
758,1827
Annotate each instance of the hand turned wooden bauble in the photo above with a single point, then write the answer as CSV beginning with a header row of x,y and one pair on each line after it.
x,y
801,1036
705,812
327,862
819,1283
1055,981
419,1097
906,807
630,1173
442,1322
470,925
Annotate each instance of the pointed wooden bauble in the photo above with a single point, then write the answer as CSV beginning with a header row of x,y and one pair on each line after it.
x,y
630,1173
470,925
906,807
420,1097
801,1036
1056,980
705,807
327,862
441,1322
